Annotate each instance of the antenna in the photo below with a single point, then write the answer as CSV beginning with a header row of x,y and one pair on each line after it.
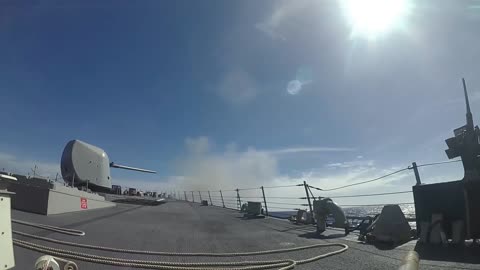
x,y
469,113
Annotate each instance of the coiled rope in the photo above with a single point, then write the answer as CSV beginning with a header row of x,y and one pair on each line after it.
x,y
242,265
114,261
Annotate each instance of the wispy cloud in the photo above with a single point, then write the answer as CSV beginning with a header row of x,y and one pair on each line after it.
x,y
197,145
250,168
237,87
212,170
232,168
167,184
472,97
350,164
296,150
269,28
11,163
327,178
284,10
203,169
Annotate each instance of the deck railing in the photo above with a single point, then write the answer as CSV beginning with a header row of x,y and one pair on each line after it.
x,y
273,204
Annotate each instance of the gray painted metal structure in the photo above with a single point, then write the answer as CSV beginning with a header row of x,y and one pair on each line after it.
x,y
83,164
54,199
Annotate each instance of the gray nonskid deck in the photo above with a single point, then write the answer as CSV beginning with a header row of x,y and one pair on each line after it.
x,y
188,227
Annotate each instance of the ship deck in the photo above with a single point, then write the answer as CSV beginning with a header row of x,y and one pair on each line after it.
x,y
180,226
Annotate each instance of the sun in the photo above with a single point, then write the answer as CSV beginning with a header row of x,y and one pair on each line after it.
x,y
372,18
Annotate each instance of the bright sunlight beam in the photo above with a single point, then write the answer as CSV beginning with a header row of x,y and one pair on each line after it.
x,y
371,18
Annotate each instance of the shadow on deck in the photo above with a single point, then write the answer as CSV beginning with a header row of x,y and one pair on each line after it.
x,y
139,201
459,254
315,235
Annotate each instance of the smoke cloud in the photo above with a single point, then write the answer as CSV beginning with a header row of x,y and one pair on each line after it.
x,y
204,169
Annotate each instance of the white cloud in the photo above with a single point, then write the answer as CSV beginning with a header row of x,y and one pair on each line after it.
x,y
398,182
237,87
203,169
350,164
11,163
295,150
349,172
252,168
229,169
197,145
269,29
161,185
285,10
472,97
233,168
344,175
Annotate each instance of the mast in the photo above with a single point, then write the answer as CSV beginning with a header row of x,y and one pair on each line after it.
x,y
469,125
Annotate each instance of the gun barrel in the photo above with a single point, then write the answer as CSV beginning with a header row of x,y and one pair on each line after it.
x,y
113,165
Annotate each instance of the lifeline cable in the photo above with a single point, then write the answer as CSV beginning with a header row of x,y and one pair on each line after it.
x,y
368,181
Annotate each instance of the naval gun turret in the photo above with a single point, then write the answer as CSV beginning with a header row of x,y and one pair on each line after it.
x,y
83,164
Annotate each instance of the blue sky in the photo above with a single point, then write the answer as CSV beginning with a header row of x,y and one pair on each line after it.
x,y
274,90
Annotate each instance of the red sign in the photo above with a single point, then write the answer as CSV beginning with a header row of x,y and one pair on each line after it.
x,y
83,203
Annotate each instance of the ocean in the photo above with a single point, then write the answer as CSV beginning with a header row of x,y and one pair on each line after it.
x,y
408,211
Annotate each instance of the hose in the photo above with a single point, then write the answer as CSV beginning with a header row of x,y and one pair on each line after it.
x,y
240,265
244,265
163,253
411,261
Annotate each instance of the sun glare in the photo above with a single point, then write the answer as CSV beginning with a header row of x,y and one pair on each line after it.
x,y
371,18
